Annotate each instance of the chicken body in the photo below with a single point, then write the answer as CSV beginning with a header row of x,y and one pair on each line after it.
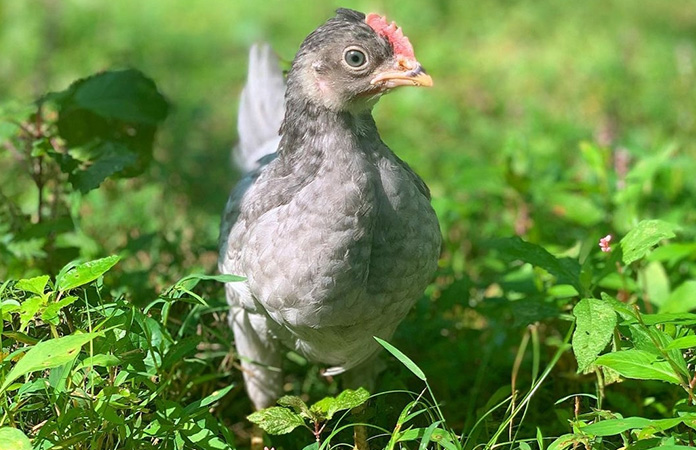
x,y
334,233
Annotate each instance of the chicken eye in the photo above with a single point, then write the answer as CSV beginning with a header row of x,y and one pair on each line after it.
x,y
355,58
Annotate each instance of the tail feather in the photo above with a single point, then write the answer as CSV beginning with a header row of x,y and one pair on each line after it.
x,y
261,108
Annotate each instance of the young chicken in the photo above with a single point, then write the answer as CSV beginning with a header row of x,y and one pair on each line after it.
x,y
334,234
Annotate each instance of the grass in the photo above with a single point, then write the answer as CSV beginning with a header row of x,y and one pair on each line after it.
x,y
556,122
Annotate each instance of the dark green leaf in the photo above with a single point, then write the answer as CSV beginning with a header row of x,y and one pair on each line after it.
x,y
113,158
566,270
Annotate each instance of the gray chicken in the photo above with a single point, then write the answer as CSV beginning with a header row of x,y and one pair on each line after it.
x,y
334,233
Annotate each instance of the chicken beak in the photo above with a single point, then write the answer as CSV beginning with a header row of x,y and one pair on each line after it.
x,y
408,72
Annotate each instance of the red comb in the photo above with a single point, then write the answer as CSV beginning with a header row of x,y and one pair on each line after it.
x,y
402,46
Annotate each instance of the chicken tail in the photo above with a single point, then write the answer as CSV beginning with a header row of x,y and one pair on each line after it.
x,y
261,108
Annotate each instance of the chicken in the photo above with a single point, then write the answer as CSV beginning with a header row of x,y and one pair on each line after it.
x,y
334,233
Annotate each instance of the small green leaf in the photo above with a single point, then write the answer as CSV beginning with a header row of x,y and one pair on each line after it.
x,y
13,439
639,364
35,285
50,314
348,399
85,273
100,361
48,354
648,233
276,420
595,322
405,360
209,400
28,309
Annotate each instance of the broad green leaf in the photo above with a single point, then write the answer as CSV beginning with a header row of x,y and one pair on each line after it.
x,y
35,285
595,323
682,299
85,273
276,420
639,364
13,439
126,95
405,360
682,343
615,426
648,233
48,354
565,269
296,403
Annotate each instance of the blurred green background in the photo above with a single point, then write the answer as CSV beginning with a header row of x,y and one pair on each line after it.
x,y
518,84
539,111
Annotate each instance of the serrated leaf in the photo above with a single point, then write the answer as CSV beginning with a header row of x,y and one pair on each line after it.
x,y
47,355
13,439
85,273
297,404
348,399
565,269
648,233
35,285
126,95
405,360
276,420
639,364
594,327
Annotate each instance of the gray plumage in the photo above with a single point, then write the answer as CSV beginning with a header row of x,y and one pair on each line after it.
x,y
333,232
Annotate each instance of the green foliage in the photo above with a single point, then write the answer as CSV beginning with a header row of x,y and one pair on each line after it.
x,y
293,412
537,140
